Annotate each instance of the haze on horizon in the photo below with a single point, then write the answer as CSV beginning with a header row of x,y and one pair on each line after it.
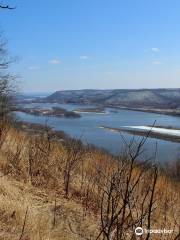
x,y
94,44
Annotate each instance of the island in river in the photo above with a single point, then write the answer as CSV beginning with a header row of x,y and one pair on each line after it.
x,y
54,111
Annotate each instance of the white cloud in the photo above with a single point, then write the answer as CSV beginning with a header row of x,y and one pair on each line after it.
x,y
84,57
33,67
55,61
157,62
154,49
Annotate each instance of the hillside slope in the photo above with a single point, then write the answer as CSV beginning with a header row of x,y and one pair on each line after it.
x,y
54,190
162,98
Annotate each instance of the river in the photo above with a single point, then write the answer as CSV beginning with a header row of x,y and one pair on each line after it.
x,y
88,128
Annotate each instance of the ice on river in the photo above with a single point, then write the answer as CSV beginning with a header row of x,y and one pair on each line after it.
x,y
165,131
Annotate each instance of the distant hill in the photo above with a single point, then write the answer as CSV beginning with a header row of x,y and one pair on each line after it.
x,y
154,98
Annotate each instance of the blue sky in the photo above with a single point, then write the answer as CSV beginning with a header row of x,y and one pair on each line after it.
x,y
68,44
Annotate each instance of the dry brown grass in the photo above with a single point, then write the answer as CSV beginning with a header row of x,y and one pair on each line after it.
x,y
34,182
16,197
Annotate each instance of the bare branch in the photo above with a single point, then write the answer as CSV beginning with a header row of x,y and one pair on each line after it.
x,y
24,223
7,7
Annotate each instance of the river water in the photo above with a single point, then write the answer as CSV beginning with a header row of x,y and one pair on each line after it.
x,y
88,128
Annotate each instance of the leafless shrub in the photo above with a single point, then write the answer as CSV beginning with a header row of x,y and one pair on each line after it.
x,y
4,129
14,163
38,152
73,158
122,209
173,169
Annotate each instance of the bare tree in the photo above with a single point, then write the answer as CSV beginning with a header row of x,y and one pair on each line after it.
x,y
7,87
7,81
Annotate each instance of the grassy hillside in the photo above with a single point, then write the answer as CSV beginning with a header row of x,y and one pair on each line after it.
x,y
64,190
